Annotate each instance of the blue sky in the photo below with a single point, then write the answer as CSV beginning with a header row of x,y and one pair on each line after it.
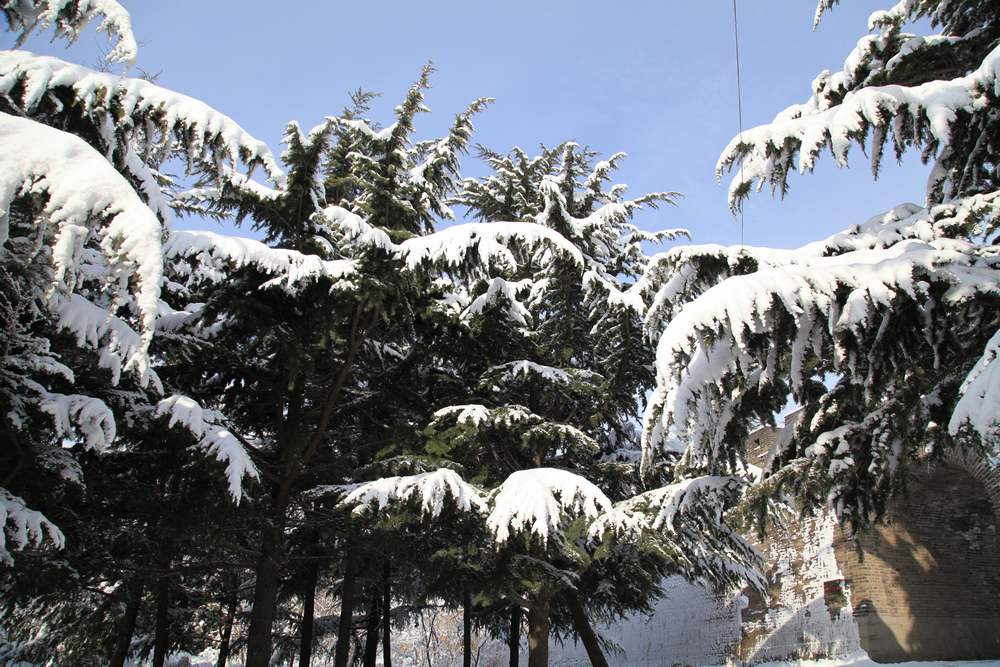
x,y
655,79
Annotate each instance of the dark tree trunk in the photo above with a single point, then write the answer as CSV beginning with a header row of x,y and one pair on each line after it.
x,y
584,630
294,458
371,633
308,614
343,649
265,596
126,625
538,635
161,635
514,639
387,617
227,628
466,628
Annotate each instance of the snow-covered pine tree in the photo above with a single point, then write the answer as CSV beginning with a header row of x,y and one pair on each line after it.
x,y
347,270
83,218
553,411
292,315
887,333
149,540
585,314
85,211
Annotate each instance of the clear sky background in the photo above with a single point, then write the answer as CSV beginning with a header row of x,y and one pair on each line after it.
x,y
655,79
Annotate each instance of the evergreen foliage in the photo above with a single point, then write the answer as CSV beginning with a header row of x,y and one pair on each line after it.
x,y
412,389
885,333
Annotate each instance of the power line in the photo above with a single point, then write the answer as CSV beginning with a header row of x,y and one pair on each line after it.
x,y
739,102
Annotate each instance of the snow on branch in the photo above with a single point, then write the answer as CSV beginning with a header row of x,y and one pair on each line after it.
x,y
182,122
666,509
457,247
70,17
214,253
881,260
789,317
524,369
979,402
538,501
477,415
513,370
364,127
689,517
91,416
432,489
488,243
354,229
21,526
96,328
213,437
680,274
82,188
202,199
504,293
921,116
707,339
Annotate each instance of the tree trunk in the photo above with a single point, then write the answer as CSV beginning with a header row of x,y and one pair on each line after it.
x,y
265,595
161,635
227,628
371,634
387,617
466,628
343,649
584,630
294,459
538,635
308,614
126,625
515,635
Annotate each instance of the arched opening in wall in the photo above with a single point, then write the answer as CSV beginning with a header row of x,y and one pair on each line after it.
x,y
926,586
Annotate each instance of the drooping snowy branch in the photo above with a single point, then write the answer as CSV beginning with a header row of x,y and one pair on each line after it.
x,y
524,368
689,517
979,402
678,275
21,526
748,326
503,293
213,254
431,489
921,116
97,328
478,247
477,416
539,501
213,437
70,18
158,121
86,414
826,300
84,196
486,244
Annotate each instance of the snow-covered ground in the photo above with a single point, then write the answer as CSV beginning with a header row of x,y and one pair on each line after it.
x,y
859,660
862,660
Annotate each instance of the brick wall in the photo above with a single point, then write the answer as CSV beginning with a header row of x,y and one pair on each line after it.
x,y
924,586
796,619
